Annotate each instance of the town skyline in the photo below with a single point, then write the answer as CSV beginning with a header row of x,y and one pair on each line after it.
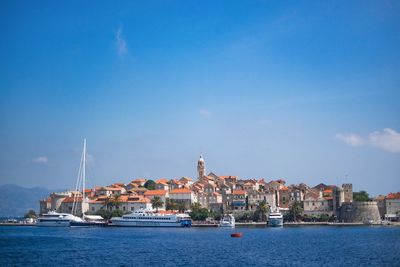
x,y
307,92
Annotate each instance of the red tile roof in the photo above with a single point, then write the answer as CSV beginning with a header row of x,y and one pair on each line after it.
x,y
239,192
71,199
162,181
181,191
393,196
228,176
155,193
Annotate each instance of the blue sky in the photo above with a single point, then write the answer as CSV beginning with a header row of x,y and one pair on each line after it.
x,y
308,91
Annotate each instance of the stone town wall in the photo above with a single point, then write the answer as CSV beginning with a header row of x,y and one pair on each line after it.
x,y
359,212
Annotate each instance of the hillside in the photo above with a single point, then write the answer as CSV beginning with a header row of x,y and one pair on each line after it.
x,y
16,200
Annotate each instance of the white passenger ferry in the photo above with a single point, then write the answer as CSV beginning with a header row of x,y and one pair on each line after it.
x,y
53,218
146,218
275,218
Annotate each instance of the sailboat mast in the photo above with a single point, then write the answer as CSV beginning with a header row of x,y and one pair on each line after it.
x,y
83,175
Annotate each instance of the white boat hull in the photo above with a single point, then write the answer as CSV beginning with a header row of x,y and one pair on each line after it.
x,y
55,223
132,223
275,222
227,225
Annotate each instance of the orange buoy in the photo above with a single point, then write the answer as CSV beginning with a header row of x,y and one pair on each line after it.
x,y
236,235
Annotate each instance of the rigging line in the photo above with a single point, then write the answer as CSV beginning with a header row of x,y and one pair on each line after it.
x,y
78,181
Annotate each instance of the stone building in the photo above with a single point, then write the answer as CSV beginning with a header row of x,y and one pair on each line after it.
x,y
392,204
348,193
183,195
162,194
54,201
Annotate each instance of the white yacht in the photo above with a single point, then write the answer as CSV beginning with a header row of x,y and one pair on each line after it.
x,y
143,218
53,218
227,221
275,218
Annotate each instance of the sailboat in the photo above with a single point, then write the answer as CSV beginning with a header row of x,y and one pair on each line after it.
x,y
54,218
87,220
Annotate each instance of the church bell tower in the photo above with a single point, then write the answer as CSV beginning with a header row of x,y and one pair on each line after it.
x,y
201,167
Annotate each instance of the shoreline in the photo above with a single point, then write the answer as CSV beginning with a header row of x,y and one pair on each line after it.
x,y
258,224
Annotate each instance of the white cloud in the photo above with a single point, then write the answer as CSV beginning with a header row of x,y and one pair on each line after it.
x,y
204,112
121,43
40,160
350,139
387,139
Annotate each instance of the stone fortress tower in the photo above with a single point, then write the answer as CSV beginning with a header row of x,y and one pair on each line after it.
x,y
348,193
201,167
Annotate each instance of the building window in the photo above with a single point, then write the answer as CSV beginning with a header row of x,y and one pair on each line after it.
x,y
92,208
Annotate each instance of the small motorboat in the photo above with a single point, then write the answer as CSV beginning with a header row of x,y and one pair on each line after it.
x,y
227,221
236,235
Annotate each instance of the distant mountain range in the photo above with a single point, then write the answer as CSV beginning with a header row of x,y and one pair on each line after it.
x,y
17,200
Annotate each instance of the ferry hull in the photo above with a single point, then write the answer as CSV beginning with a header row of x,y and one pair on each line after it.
x,y
126,223
88,224
59,223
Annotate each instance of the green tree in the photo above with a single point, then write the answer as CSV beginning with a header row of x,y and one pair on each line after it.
x,y
198,213
116,201
150,184
181,206
106,214
324,217
262,209
361,196
117,213
295,210
170,205
156,202
31,214
108,203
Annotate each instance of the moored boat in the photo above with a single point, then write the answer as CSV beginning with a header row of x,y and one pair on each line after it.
x,y
90,221
147,218
53,218
227,220
275,218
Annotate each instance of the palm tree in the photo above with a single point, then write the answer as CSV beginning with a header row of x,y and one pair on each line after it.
x,y
108,203
156,202
115,202
263,208
295,210
171,205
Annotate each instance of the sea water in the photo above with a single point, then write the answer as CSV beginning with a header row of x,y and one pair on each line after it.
x,y
285,246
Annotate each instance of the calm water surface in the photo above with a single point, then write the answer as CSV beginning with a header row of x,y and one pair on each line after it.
x,y
294,246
